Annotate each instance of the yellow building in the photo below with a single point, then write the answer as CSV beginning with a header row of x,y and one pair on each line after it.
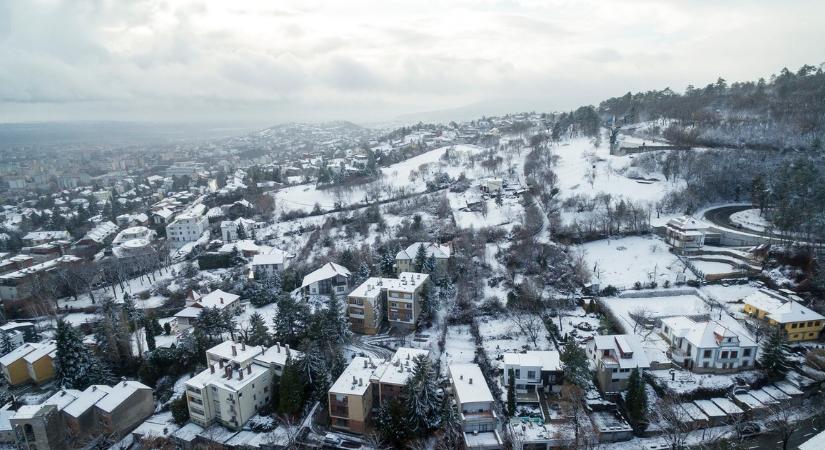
x,y
31,362
798,322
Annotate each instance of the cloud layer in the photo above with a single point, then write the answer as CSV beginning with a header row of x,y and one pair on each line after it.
x,y
187,60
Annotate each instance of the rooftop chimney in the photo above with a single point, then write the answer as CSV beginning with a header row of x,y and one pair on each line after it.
x,y
461,377
243,346
234,351
360,382
220,363
211,368
221,300
365,363
227,372
240,374
249,369
471,381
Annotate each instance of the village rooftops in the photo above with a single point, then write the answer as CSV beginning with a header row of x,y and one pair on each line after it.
x,y
406,282
37,268
47,235
430,249
548,360
398,369
63,398
470,385
355,380
792,311
86,400
325,272
274,257
21,352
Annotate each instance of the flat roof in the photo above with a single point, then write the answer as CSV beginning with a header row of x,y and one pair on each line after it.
x,y
355,380
470,384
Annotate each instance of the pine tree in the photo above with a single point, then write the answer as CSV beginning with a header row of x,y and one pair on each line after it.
x,y
292,390
180,410
363,273
574,363
420,258
167,329
511,392
75,366
453,435
775,355
291,321
241,232
636,402
258,333
391,424
422,403
387,264
150,334
430,265
6,345
335,322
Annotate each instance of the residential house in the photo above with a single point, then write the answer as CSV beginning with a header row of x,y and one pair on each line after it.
x,y
44,237
708,346
19,332
268,264
476,407
327,279
796,321
216,299
393,374
229,229
186,228
399,297
614,357
351,396
688,235
31,362
533,370
405,259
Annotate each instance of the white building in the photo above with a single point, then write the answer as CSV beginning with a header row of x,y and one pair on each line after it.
x,y
268,264
476,407
405,259
133,241
215,299
708,346
237,383
184,229
229,228
687,234
615,356
532,370
327,279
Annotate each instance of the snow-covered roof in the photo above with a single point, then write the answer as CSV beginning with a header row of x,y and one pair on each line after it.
x,y
705,334
19,352
470,385
275,256
688,223
710,409
120,393
793,312
398,369
164,213
547,360
355,379
430,249
325,272
46,235
102,231
817,442
276,355
218,299
622,344
727,406
87,399
236,352
190,312
62,398
763,300
46,349
234,383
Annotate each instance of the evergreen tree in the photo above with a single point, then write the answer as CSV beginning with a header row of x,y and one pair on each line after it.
x,y
180,410
430,265
167,329
391,423
291,321
363,274
775,355
241,232
422,402
636,402
334,326
387,264
75,366
6,345
511,392
291,391
453,432
420,258
258,333
150,335
574,363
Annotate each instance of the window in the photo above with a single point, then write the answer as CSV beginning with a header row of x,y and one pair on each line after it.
x,y
705,364
518,373
724,354
531,374
794,325
746,352
708,354
734,354
745,363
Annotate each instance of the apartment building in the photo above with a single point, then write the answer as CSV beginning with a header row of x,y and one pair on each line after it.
x,y
71,418
24,283
708,346
237,383
533,370
396,299
32,362
365,384
615,356
476,407
186,228
784,310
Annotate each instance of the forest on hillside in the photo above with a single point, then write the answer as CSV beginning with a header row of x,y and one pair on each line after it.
x,y
786,111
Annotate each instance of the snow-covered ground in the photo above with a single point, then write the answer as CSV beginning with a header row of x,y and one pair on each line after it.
x,y
622,262
750,219
500,335
459,346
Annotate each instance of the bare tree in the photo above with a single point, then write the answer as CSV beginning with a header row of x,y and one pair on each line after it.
x,y
529,324
374,441
676,424
642,320
286,435
783,422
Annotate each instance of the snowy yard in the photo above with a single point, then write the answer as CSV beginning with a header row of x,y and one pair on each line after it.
x,y
501,335
459,346
622,262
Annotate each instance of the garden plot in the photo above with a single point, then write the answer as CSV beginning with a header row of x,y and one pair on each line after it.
x,y
625,261
578,323
686,382
654,306
503,334
459,346
507,215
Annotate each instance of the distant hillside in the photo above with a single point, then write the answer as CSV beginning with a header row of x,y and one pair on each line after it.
x,y
785,111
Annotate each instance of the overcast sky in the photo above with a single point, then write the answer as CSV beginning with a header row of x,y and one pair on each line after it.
x,y
283,60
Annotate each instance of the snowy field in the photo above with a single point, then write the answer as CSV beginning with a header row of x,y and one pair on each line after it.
x,y
409,176
459,346
622,262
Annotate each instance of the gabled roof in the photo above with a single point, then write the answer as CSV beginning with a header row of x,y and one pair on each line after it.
x,y
792,311
430,249
119,394
217,299
705,334
325,272
610,342
86,400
